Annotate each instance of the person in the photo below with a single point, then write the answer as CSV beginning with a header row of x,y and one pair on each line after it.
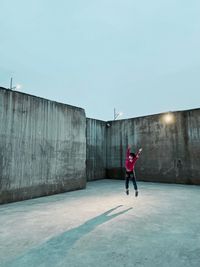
x,y
131,159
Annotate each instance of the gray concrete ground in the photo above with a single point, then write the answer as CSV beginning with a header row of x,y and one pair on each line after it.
x,y
101,226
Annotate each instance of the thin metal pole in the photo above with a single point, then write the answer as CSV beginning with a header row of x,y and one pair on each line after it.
x,y
11,83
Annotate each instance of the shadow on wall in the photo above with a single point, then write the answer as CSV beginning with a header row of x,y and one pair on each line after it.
x,y
54,251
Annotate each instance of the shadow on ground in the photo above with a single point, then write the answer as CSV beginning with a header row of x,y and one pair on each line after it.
x,y
53,252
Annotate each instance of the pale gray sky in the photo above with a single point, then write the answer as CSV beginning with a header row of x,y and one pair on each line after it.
x,y
141,57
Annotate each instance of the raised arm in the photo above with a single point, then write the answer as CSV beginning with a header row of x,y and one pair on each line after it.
x,y
128,152
139,152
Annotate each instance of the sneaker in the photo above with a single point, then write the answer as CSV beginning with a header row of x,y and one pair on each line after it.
x,y
136,193
127,191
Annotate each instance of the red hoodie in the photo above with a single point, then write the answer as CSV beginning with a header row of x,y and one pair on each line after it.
x,y
130,164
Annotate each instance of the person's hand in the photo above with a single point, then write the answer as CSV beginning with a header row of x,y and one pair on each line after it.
x,y
140,150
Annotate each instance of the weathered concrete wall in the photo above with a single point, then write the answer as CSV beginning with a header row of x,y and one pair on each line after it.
x,y
96,149
171,151
42,147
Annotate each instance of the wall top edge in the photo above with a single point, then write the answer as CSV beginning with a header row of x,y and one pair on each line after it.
x,y
95,120
82,109
156,114
42,98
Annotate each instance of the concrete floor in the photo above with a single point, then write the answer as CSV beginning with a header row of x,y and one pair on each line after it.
x,y
101,226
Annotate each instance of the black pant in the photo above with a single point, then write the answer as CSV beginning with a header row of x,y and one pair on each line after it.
x,y
131,175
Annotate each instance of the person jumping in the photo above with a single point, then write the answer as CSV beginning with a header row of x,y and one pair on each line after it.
x,y
131,159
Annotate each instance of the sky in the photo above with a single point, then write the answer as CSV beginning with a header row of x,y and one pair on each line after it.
x,y
139,57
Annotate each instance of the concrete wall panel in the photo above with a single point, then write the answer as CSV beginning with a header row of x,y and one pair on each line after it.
x,y
171,151
42,147
96,149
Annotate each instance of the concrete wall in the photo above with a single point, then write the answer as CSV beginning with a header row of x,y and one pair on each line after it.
x,y
171,151
96,149
42,147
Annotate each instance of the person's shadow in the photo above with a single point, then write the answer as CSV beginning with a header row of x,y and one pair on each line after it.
x,y
54,251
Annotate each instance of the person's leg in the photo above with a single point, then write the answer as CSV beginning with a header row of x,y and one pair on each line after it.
x,y
135,184
127,182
